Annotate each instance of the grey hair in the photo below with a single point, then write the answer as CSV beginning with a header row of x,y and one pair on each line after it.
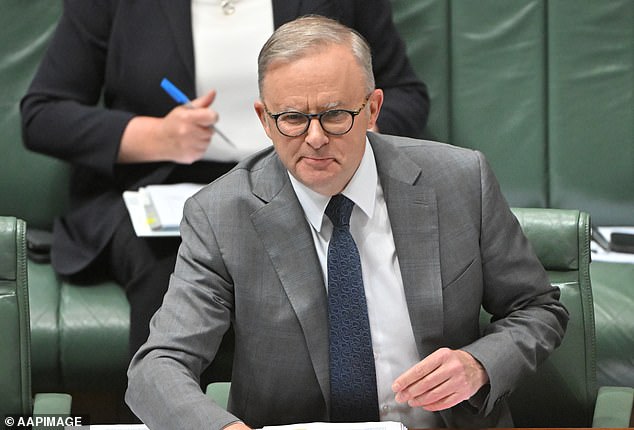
x,y
295,39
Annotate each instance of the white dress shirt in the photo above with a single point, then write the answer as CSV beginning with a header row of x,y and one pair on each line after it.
x,y
391,329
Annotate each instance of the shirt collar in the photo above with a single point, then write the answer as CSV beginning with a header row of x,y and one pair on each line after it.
x,y
357,190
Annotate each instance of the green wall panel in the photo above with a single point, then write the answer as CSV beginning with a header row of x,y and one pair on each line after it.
x,y
424,25
591,109
497,91
33,186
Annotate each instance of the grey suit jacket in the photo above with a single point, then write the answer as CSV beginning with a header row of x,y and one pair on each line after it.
x,y
248,260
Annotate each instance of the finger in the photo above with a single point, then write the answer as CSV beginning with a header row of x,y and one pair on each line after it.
x,y
202,132
418,372
456,380
204,118
432,386
440,404
205,100
185,130
432,395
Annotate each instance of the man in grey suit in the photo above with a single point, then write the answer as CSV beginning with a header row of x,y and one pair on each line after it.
x,y
436,241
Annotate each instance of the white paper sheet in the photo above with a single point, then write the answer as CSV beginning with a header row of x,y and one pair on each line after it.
x,y
383,425
599,253
157,210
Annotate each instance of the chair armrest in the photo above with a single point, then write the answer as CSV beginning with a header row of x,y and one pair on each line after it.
x,y
613,408
219,392
52,404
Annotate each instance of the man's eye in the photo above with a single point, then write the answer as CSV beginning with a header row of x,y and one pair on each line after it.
x,y
293,118
335,116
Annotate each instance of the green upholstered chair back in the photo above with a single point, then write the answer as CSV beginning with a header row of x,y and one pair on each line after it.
x,y
15,369
33,187
545,89
564,390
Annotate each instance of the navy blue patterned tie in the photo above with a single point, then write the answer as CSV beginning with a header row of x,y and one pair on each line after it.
x,y
352,374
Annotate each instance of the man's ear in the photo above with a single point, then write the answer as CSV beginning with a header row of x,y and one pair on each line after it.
x,y
263,116
375,102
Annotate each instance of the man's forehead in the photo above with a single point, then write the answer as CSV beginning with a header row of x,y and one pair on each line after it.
x,y
336,58
328,82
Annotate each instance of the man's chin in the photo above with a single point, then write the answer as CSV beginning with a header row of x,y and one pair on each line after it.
x,y
326,185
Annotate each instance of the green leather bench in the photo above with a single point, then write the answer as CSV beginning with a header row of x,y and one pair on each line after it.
x,y
79,334
544,89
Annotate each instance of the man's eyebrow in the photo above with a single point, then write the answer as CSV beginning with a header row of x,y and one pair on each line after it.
x,y
331,105
322,108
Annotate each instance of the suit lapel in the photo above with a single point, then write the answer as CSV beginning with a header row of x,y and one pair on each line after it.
x,y
414,217
287,239
179,18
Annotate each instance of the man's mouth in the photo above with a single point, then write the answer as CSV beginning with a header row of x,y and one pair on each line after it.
x,y
318,162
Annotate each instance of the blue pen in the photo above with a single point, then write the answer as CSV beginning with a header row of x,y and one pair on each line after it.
x,y
181,98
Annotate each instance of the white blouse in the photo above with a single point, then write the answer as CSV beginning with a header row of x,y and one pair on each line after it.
x,y
226,47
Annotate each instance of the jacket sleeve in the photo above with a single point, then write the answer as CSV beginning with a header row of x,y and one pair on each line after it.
x,y
528,320
185,334
61,112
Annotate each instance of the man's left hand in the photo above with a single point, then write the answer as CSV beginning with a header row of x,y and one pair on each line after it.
x,y
440,381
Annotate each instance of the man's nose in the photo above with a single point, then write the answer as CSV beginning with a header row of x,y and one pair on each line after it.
x,y
316,136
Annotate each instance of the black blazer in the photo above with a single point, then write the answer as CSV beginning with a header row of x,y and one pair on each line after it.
x,y
104,65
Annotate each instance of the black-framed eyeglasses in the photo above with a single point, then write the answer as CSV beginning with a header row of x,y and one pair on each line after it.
x,y
334,121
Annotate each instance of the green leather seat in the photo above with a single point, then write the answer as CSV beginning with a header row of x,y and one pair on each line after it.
x,y
564,393
613,289
15,341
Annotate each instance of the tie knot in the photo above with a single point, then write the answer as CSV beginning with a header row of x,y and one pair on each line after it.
x,y
339,209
